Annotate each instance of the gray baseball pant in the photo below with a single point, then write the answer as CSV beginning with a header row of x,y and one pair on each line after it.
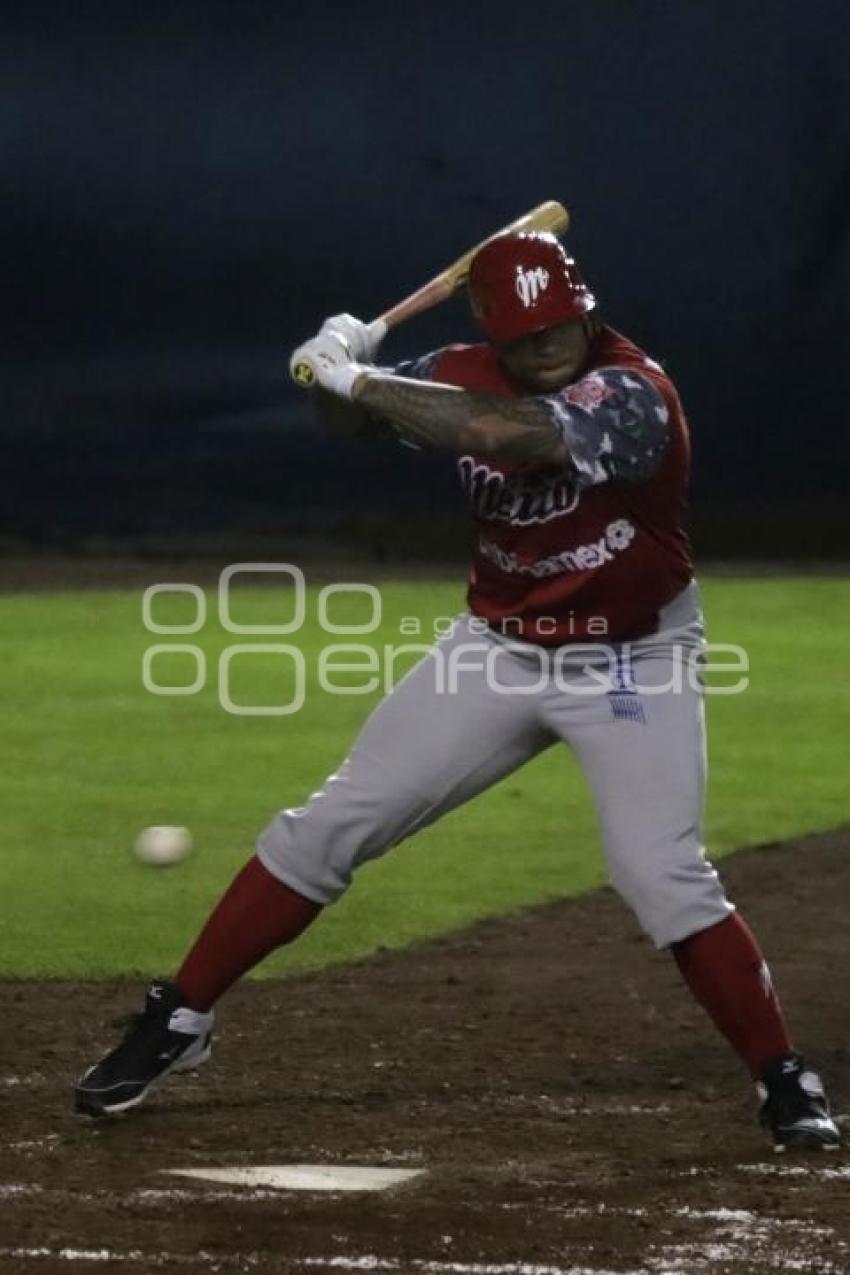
x,y
479,706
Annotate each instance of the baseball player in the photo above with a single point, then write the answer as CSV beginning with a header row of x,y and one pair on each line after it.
x,y
583,626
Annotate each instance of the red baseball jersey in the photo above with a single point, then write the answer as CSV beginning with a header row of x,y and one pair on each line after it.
x,y
592,550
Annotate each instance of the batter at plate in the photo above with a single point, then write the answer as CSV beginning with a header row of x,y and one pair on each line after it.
x,y
583,628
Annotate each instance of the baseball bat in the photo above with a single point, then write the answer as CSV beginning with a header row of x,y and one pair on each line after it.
x,y
549,215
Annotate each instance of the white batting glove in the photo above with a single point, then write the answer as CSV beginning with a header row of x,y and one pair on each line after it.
x,y
362,339
326,361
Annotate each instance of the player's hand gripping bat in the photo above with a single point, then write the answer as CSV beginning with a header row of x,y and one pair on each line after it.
x,y
549,215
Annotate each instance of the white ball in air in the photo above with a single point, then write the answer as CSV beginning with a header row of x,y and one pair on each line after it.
x,y
163,845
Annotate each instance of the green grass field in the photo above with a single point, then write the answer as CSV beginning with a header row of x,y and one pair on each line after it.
x,y
90,758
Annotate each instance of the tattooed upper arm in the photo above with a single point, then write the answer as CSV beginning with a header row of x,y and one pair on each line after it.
x,y
520,430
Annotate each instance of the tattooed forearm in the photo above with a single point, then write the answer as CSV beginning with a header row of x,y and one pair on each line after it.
x,y
454,420
345,419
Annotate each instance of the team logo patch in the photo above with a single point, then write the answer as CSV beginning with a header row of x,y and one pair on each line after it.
x,y
626,707
530,284
587,393
624,700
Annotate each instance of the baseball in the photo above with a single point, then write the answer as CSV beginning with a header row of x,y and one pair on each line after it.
x,y
162,846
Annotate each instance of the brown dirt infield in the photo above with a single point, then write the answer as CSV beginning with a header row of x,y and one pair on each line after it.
x,y
573,1110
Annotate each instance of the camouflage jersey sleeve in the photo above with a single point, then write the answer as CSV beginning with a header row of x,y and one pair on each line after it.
x,y
614,423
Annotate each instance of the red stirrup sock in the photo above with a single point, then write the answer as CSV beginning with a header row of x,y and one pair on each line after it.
x,y
256,914
727,973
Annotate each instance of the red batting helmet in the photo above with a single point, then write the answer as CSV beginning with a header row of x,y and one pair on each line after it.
x,y
520,283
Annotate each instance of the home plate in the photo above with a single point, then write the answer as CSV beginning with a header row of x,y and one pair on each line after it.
x,y
304,1177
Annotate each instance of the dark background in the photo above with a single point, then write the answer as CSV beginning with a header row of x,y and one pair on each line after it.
x,y
190,188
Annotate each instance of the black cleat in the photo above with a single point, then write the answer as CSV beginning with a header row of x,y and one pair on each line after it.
x,y
166,1037
794,1106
